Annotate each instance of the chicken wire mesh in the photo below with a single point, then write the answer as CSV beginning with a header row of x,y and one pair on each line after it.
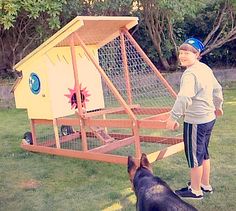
x,y
146,87
69,137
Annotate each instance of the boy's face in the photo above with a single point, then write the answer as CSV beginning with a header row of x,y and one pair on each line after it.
x,y
187,58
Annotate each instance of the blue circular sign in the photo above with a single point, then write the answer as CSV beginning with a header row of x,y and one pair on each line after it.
x,y
34,83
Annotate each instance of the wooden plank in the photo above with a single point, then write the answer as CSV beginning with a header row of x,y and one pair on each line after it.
x,y
76,77
108,38
165,152
114,145
43,121
68,121
18,80
77,154
107,18
108,111
56,134
151,110
101,134
33,131
135,130
120,123
161,140
162,117
126,69
151,124
103,111
78,96
151,139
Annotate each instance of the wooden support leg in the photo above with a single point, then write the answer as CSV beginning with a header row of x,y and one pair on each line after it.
x,y
136,140
55,128
32,126
83,135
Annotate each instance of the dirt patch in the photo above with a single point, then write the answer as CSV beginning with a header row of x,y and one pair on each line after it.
x,y
30,184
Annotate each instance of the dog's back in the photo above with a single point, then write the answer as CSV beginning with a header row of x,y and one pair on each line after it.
x,y
153,193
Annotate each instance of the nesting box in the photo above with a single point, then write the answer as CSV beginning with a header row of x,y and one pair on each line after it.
x,y
92,75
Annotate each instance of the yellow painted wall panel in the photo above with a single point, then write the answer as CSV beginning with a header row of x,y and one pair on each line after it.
x,y
60,78
90,79
62,84
38,105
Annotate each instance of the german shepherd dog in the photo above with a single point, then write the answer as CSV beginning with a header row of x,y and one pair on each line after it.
x,y
152,193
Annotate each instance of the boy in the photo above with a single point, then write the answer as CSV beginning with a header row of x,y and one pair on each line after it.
x,y
200,102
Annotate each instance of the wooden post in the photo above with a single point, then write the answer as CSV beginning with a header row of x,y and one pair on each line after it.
x,y
136,140
135,129
126,70
78,96
56,134
32,127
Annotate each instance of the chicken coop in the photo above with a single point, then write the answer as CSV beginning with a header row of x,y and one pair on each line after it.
x,y
92,93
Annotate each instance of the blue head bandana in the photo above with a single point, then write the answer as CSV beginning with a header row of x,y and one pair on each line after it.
x,y
197,44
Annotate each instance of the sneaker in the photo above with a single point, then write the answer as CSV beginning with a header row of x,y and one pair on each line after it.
x,y
204,189
207,189
184,189
187,193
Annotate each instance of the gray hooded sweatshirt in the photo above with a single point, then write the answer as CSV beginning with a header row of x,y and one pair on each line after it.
x,y
199,96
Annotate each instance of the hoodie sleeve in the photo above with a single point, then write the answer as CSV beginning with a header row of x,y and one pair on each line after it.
x,y
184,97
217,94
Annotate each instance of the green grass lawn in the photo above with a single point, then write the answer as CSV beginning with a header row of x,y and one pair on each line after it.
x,y
71,184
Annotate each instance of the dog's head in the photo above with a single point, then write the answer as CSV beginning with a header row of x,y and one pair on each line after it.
x,y
133,168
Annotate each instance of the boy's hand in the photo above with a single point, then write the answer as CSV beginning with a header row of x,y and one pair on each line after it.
x,y
171,124
219,112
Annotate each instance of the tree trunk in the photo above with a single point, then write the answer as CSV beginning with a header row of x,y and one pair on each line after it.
x,y
223,29
157,21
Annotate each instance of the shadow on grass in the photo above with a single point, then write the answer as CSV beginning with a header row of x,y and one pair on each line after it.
x,y
127,200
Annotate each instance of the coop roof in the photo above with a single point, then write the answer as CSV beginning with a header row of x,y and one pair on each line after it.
x,y
93,30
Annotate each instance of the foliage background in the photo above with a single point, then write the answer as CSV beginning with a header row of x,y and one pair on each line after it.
x,y
163,26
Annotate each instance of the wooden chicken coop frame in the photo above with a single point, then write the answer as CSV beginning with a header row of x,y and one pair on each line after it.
x,y
154,119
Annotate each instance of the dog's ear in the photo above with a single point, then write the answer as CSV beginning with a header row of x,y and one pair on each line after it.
x,y
131,164
144,162
131,167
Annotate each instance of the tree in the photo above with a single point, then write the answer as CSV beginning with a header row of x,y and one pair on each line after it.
x,y
95,7
23,25
224,26
162,18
